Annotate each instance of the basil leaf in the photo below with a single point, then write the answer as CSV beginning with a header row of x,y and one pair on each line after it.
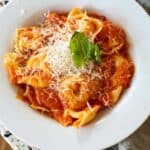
x,y
97,54
78,44
82,50
77,59
90,51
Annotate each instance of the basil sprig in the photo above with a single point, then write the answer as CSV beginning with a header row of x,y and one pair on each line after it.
x,y
82,50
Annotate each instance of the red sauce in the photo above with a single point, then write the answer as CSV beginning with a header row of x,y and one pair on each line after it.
x,y
110,37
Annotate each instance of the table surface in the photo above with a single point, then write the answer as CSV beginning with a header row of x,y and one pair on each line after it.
x,y
140,140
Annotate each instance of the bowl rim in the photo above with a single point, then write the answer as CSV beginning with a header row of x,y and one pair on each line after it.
x,y
12,4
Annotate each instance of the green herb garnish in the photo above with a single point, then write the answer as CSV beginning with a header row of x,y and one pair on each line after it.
x,y
82,50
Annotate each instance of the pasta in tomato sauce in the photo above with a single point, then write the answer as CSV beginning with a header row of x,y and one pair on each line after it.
x,y
42,68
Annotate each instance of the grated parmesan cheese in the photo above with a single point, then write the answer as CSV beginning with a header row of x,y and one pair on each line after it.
x,y
58,54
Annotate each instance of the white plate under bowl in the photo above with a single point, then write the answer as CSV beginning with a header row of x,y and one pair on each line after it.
x,y
121,121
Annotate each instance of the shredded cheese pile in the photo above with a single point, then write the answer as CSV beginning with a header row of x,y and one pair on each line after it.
x,y
59,55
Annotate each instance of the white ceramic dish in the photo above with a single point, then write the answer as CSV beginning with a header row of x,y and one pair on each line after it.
x,y
119,122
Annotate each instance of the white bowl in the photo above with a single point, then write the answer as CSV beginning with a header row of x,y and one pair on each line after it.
x,y
119,122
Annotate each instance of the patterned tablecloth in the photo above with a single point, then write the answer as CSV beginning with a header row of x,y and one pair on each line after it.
x,y
140,140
